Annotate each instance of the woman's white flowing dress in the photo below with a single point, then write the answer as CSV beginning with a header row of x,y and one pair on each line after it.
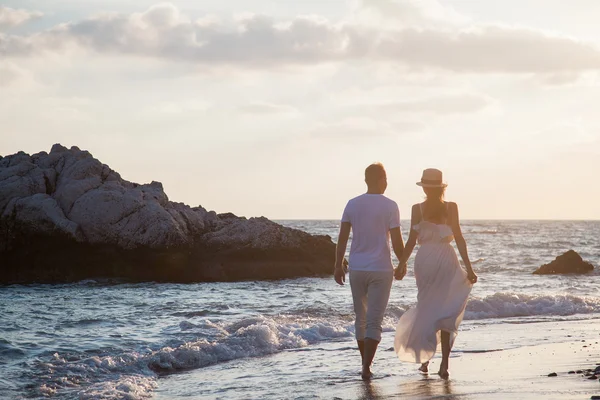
x,y
443,292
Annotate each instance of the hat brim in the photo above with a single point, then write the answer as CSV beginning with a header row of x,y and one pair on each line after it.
x,y
442,185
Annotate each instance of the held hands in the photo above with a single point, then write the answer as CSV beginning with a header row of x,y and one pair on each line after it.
x,y
400,272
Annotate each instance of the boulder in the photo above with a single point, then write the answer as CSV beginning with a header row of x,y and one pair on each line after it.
x,y
66,216
567,263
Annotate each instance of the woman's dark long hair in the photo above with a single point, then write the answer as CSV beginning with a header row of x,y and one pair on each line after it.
x,y
435,208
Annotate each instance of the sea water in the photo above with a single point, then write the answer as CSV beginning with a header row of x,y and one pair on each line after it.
x,y
271,339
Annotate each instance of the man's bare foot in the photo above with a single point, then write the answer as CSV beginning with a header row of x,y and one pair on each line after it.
x,y
424,367
366,374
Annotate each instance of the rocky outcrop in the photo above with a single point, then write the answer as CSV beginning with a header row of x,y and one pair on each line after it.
x,y
567,263
65,216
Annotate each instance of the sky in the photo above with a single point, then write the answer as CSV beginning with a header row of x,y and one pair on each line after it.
x,y
275,107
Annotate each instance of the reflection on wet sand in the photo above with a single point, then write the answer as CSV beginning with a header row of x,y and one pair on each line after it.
x,y
425,388
429,388
370,391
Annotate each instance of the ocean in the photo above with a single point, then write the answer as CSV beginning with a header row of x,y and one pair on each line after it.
x,y
276,339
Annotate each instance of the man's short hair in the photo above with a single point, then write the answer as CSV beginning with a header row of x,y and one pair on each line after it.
x,y
374,172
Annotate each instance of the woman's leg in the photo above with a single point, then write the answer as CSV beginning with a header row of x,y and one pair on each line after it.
x,y
445,336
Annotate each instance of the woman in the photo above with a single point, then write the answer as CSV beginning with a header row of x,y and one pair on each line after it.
x,y
443,284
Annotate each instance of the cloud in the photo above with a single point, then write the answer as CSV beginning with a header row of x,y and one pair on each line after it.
x,y
162,32
13,76
413,13
364,127
267,108
258,41
457,104
9,74
178,108
559,79
10,17
491,49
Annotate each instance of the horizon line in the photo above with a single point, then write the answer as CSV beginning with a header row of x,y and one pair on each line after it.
x,y
462,219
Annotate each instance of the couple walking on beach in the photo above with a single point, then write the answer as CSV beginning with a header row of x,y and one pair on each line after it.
x,y
443,285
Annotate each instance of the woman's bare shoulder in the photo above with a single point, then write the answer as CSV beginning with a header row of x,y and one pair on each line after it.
x,y
415,214
417,207
452,211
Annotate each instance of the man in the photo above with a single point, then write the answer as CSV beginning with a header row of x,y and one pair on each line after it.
x,y
373,218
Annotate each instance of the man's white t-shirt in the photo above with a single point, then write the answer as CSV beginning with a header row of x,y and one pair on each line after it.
x,y
371,216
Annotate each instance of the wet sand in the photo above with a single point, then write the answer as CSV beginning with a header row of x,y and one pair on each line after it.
x,y
484,366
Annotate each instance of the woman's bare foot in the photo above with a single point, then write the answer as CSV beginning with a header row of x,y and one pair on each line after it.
x,y
443,373
424,367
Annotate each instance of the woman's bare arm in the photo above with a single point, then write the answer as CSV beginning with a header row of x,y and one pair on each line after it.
x,y
461,244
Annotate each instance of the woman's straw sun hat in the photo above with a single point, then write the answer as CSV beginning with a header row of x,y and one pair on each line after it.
x,y
432,178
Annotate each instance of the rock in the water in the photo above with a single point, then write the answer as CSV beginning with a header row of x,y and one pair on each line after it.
x,y
552,374
567,263
65,216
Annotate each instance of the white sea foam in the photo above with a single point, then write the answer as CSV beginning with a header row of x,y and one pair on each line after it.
x,y
249,337
132,387
505,305
123,376
133,375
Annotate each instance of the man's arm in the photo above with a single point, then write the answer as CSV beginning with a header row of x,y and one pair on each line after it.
x,y
340,252
397,242
398,246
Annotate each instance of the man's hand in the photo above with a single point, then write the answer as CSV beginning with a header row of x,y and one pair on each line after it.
x,y
341,264
400,272
339,275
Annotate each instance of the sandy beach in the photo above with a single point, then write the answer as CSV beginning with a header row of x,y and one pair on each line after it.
x,y
516,374
479,369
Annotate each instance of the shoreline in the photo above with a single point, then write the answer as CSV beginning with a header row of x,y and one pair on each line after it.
x,y
477,370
